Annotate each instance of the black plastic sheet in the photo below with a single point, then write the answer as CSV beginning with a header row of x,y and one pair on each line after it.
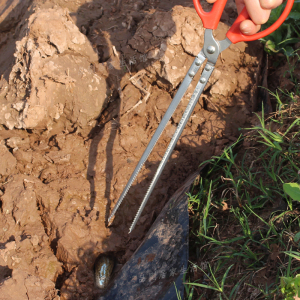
x,y
160,262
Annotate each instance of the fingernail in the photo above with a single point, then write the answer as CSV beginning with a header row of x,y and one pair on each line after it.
x,y
245,29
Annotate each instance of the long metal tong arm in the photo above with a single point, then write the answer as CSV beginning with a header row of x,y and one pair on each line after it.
x,y
181,91
186,115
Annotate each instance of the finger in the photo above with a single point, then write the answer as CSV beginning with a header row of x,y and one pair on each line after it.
x,y
270,4
257,14
247,27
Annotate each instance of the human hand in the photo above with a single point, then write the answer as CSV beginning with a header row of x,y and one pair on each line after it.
x,y
258,10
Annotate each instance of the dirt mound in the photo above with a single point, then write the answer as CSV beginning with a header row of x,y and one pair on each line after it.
x,y
54,82
63,171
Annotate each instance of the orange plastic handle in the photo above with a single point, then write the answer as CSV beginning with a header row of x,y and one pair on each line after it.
x,y
211,20
235,35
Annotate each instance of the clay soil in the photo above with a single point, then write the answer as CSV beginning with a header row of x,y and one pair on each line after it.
x,y
74,124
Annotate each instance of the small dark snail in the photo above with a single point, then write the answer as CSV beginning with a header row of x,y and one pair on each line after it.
x,y
103,269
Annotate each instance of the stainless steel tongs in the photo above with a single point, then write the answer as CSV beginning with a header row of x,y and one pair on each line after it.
x,y
211,51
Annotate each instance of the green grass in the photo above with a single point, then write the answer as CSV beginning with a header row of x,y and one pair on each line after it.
x,y
245,209
243,224
287,35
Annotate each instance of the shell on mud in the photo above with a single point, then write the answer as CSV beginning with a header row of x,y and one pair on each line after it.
x,y
103,269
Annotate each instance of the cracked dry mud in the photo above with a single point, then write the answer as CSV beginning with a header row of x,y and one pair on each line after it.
x,y
73,125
